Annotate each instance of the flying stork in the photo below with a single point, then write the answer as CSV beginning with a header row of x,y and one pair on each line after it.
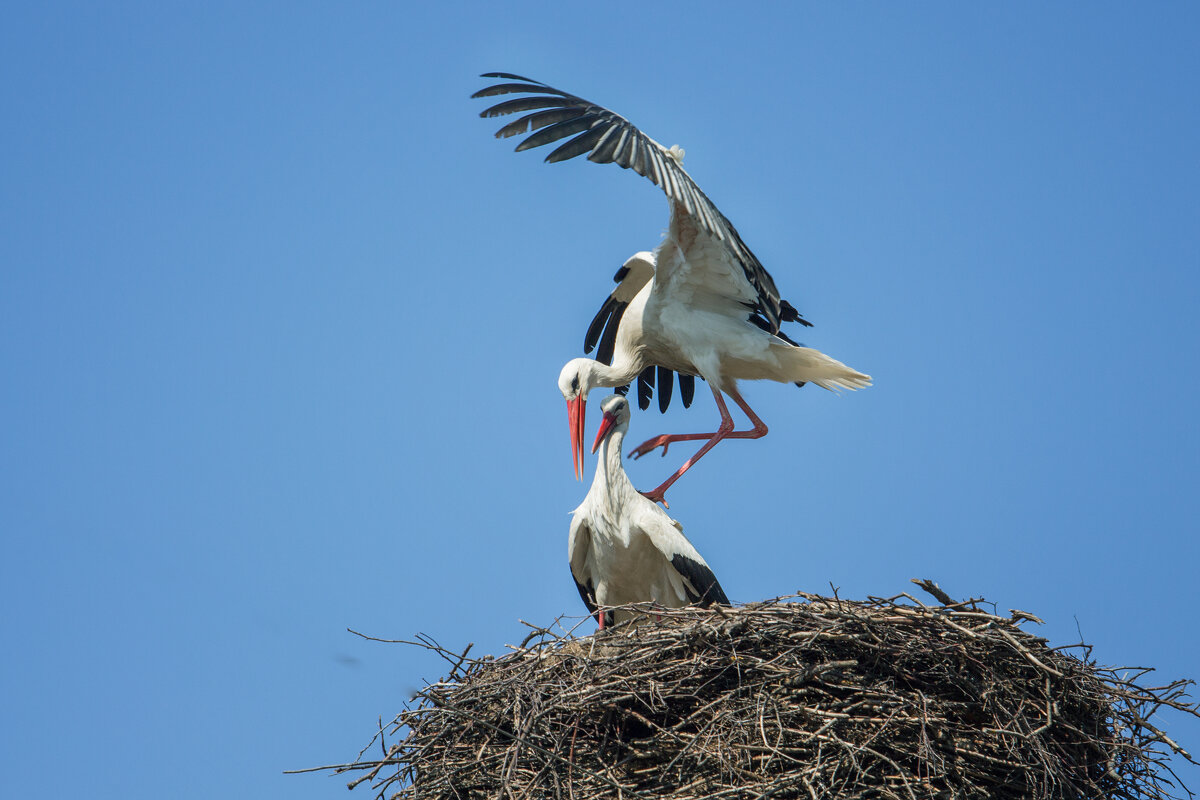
x,y
623,548
700,305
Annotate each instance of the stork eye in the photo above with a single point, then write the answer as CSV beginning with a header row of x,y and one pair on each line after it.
x,y
575,384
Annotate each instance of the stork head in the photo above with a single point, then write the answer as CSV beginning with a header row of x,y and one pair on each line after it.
x,y
577,378
616,418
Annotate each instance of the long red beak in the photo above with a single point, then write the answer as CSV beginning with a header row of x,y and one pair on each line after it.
x,y
576,410
605,426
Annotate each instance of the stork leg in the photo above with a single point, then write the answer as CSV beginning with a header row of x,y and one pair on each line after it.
x,y
724,431
665,440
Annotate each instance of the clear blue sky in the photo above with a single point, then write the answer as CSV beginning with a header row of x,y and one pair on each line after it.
x,y
280,324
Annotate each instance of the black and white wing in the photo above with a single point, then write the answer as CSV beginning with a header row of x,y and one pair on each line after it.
x,y
608,137
631,278
579,545
703,589
699,582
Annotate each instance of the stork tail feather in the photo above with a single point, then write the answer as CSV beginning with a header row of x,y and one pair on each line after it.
x,y
813,366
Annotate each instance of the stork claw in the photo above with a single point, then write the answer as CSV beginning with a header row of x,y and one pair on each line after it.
x,y
648,446
656,496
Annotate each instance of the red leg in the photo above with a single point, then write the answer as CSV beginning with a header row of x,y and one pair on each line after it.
x,y
667,439
760,428
725,431
664,441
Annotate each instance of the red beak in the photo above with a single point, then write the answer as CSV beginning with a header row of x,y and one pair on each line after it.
x,y
605,426
576,410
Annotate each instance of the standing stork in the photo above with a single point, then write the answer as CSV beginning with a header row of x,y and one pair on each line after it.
x,y
625,549
701,304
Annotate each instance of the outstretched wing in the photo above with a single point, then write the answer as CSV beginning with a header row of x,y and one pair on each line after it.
x,y
608,137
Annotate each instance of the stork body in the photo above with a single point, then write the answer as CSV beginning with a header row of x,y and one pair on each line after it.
x,y
701,305
623,548
684,320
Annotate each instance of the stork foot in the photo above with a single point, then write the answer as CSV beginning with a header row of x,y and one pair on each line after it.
x,y
648,446
656,496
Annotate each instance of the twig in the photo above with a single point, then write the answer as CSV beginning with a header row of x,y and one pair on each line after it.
x,y
935,590
805,696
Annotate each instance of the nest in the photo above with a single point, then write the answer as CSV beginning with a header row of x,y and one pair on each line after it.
x,y
815,697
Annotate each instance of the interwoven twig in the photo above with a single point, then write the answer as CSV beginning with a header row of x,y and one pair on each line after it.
x,y
822,698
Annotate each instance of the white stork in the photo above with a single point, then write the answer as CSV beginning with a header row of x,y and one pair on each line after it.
x,y
701,304
625,549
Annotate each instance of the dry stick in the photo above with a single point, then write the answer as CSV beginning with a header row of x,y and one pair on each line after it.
x,y
461,658
1049,710
873,633
1028,655
516,739
935,590
370,776
336,767
424,642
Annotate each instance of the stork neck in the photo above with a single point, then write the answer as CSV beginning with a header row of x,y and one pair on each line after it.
x,y
610,473
619,374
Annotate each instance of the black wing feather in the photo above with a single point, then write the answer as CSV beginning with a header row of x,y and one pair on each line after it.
x,y
757,318
552,133
598,322
608,137
645,387
666,385
702,579
604,329
576,147
521,104
513,88
510,76
538,119
589,599
608,341
587,594
687,389
606,149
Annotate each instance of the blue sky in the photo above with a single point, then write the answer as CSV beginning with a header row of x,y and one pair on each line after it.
x,y
280,324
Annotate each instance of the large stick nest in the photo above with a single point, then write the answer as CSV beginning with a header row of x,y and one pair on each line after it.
x,y
825,698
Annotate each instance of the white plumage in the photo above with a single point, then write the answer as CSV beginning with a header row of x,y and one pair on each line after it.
x,y
623,548
700,305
